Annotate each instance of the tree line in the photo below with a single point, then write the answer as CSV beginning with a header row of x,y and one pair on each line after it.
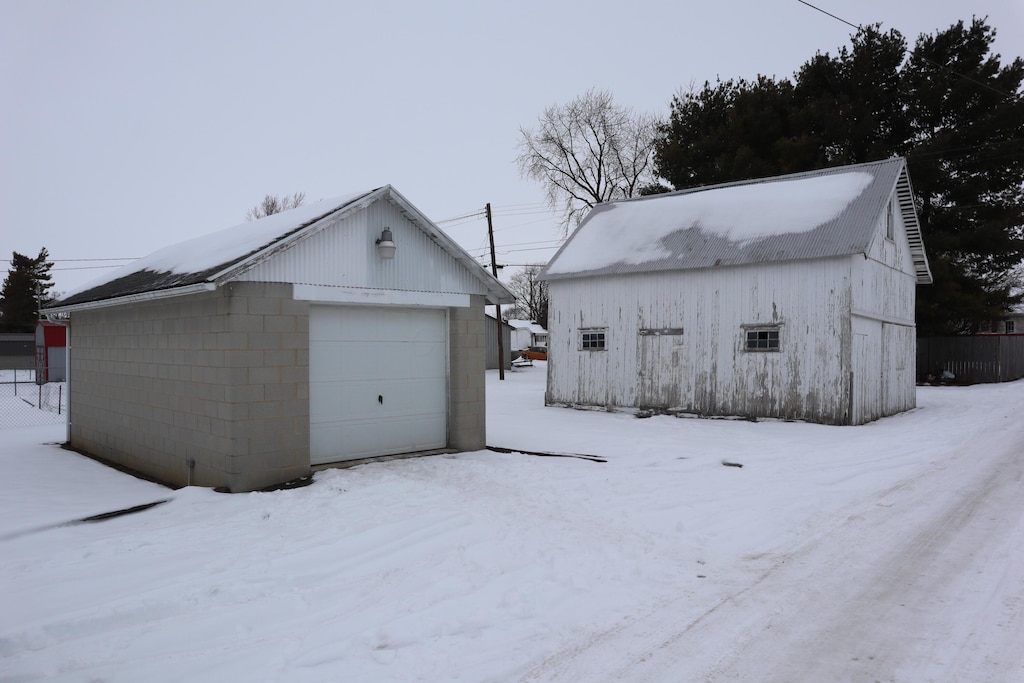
x,y
948,104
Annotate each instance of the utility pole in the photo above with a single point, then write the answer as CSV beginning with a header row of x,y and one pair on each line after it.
x,y
497,306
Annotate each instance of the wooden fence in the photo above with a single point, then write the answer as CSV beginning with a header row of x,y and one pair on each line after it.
x,y
973,360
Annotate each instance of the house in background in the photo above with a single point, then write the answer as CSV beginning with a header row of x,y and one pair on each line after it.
x,y
1011,324
346,329
788,297
17,350
526,333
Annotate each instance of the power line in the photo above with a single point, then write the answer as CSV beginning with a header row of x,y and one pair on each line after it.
x,y
475,214
526,244
529,209
87,267
856,26
552,244
79,260
511,206
930,61
971,148
70,260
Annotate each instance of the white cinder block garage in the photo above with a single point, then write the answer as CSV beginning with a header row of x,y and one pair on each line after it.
x,y
243,358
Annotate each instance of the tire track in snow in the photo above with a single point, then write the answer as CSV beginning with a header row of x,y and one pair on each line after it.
x,y
866,599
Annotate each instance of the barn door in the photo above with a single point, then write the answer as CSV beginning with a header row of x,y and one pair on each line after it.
x,y
866,389
661,363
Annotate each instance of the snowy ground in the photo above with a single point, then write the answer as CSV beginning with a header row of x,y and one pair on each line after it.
x,y
24,403
892,552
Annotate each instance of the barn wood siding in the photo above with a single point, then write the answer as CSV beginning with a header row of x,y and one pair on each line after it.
x,y
884,333
706,369
894,253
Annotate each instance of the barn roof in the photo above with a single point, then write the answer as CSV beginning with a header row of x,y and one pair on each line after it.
x,y
220,256
816,214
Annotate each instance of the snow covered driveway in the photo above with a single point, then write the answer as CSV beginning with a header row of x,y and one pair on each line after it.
x,y
893,551
921,581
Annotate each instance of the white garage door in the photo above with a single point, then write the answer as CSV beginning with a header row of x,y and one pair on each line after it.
x,y
377,381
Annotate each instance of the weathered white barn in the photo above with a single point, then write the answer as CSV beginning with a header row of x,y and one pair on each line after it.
x,y
346,329
786,297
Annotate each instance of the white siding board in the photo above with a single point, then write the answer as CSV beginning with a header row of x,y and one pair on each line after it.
x,y
883,372
882,292
344,254
894,253
705,370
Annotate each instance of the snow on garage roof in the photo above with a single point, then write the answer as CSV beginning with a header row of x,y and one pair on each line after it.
x,y
194,261
828,212
219,256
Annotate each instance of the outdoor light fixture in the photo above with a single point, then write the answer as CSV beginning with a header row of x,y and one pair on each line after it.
x,y
386,245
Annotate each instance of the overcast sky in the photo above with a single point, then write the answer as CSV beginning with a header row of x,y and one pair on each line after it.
x,y
130,125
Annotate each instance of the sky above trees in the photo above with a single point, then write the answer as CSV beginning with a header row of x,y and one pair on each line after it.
x,y
136,125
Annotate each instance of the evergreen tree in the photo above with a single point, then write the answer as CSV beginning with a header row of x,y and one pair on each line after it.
x,y
851,106
950,107
28,283
731,130
966,111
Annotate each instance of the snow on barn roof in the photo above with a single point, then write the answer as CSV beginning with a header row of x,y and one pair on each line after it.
x,y
213,257
828,212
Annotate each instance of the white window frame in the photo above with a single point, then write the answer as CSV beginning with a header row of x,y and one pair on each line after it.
x,y
1010,327
773,334
593,339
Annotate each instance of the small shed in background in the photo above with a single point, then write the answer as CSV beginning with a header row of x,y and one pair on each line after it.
x,y
491,332
51,352
526,333
17,350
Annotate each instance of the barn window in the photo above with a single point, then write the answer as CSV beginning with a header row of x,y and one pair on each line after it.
x,y
762,338
592,340
890,223
1010,327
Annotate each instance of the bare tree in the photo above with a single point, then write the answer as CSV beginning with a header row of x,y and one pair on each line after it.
x,y
272,204
531,295
587,152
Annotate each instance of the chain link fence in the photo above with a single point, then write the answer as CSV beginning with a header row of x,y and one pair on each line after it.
x,y
23,403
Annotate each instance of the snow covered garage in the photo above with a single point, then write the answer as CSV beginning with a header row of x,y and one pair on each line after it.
x,y
789,297
346,329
